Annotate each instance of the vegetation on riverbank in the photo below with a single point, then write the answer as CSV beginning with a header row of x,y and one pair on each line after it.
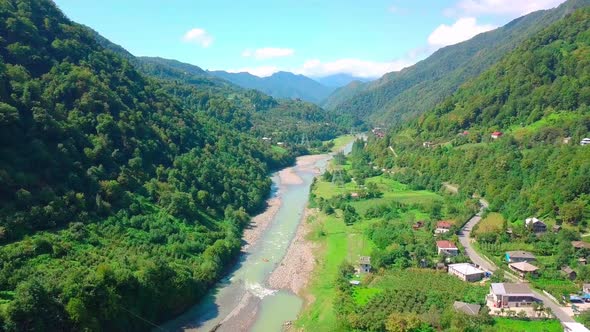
x,y
376,219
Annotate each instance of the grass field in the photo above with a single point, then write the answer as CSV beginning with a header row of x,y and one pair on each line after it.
x,y
341,141
339,243
491,223
515,325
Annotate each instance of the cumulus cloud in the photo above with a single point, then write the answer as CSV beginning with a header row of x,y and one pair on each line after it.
x,y
501,7
268,53
463,29
355,67
261,71
198,36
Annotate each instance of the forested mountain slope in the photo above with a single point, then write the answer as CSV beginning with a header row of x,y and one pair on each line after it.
x,y
403,95
120,203
539,97
280,85
250,110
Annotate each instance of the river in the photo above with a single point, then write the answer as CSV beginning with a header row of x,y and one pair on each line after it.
x,y
242,301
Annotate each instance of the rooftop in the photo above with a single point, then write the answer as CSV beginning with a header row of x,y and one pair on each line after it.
x,y
468,308
574,327
524,267
444,244
465,268
520,254
567,269
444,224
512,289
365,260
580,244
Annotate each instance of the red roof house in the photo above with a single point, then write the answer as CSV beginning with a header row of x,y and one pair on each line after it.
x,y
442,226
496,134
446,248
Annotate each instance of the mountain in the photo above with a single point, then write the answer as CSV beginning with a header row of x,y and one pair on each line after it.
x,y
340,80
402,95
538,96
280,85
342,94
122,195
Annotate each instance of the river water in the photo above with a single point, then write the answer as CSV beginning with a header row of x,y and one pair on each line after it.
x,y
242,301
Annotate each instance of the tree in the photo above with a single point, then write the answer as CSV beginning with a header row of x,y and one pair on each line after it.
x,y
572,212
403,322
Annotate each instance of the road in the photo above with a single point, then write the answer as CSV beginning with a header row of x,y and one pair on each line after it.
x,y
465,239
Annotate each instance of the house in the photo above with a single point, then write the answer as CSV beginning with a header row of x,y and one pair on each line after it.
x,y
574,327
582,261
497,134
535,225
585,141
418,225
466,272
556,228
581,245
427,144
523,268
512,295
378,132
566,140
586,288
519,256
365,264
448,248
442,226
441,267
467,308
354,195
569,272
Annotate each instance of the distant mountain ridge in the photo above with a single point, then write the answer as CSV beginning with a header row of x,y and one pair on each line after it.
x,y
340,80
403,95
279,85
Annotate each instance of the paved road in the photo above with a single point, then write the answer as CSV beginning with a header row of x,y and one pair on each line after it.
x,y
465,239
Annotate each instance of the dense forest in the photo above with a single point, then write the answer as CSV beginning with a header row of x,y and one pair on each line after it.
x,y
121,201
538,97
393,98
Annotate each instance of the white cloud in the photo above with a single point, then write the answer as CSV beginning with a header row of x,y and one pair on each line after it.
x,y
501,7
463,29
355,67
268,53
393,9
261,71
198,36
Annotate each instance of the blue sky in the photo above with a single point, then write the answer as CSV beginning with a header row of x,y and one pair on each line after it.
x,y
316,38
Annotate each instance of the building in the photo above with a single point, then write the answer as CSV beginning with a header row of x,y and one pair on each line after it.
x,y
585,141
466,272
519,256
467,308
447,248
569,272
365,264
582,261
535,225
418,225
581,245
497,134
566,140
556,228
574,327
427,144
523,268
512,295
586,288
442,226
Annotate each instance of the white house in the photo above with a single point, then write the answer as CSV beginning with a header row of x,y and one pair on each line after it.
x,y
466,272
447,248
585,141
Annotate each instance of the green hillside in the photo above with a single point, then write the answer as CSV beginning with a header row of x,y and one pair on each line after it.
x,y
537,96
393,98
120,203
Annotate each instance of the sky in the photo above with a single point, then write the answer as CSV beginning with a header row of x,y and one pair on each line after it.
x,y
315,38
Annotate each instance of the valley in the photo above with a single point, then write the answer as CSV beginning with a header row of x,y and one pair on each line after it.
x,y
366,179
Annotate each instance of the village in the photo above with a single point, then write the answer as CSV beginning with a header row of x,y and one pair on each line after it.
x,y
508,299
